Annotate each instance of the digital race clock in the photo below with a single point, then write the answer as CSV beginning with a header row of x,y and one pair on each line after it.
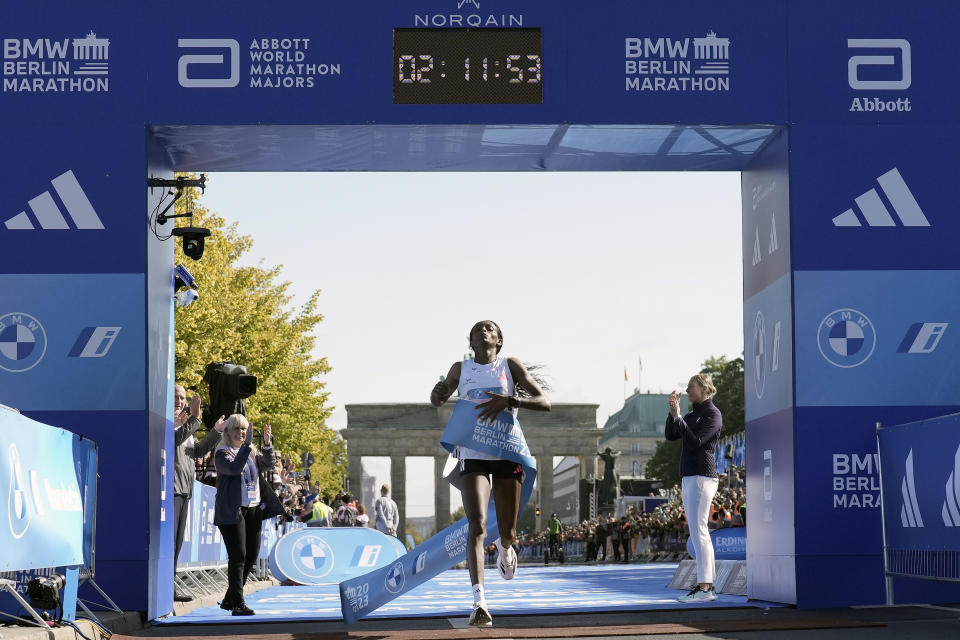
x,y
467,66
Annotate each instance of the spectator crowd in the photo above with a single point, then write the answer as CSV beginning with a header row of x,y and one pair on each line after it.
x,y
660,534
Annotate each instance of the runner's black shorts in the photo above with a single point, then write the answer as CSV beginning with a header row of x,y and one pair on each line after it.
x,y
495,468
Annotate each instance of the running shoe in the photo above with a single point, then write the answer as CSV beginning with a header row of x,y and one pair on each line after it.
x,y
698,595
506,561
480,616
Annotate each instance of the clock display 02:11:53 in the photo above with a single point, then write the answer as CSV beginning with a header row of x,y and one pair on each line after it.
x,y
514,69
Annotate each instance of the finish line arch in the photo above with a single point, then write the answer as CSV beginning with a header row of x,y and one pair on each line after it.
x,y
838,117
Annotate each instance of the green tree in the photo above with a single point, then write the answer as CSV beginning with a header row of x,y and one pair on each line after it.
x,y
244,316
456,515
727,377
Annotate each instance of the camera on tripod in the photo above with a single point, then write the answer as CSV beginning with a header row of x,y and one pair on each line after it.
x,y
44,592
230,386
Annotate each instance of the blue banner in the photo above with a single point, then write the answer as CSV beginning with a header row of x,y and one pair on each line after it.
x,y
319,555
45,473
921,484
876,338
728,544
501,437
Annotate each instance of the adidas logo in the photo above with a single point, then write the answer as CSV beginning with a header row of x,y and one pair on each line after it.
x,y
875,211
772,246
951,506
909,508
48,214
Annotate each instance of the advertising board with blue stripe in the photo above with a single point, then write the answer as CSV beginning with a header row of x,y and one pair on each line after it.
x,y
876,63
728,544
873,201
876,338
62,336
323,555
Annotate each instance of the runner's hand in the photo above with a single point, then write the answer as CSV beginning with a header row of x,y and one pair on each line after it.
x,y
490,409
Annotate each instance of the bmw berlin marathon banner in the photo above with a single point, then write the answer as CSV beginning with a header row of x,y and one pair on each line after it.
x,y
501,437
921,496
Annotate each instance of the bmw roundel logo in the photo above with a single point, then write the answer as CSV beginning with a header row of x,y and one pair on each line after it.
x,y
312,556
846,338
23,342
394,579
759,355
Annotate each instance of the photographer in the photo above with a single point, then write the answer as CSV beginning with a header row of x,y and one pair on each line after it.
x,y
188,450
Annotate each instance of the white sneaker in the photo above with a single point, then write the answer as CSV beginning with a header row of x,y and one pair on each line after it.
x,y
506,561
698,595
480,616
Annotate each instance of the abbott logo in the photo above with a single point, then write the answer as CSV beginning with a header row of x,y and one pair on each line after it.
x,y
876,213
909,508
951,506
188,60
923,337
94,342
48,214
858,61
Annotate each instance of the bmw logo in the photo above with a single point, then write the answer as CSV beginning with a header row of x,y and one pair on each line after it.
x,y
846,338
23,342
312,556
759,355
394,579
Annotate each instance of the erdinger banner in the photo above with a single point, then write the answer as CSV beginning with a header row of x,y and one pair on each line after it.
x,y
46,476
921,485
502,438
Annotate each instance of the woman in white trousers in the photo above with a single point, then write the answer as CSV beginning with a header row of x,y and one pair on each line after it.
x,y
699,431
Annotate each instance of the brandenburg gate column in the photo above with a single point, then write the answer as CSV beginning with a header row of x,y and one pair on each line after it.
x,y
441,500
398,490
354,473
545,481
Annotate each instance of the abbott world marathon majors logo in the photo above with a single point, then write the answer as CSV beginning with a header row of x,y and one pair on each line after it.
x,y
686,65
23,342
51,65
846,338
272,63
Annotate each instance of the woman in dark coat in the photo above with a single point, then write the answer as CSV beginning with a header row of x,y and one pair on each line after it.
x,y
239,496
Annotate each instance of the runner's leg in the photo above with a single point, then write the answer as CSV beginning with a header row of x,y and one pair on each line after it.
x,y
476,495
506,499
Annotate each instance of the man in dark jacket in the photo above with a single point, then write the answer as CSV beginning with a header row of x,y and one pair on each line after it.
x,y
187,450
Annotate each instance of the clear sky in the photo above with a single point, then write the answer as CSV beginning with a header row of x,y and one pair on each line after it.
x,y
587,274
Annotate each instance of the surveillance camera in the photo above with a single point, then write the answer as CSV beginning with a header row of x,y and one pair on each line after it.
x,y
192,240
186,298
183,278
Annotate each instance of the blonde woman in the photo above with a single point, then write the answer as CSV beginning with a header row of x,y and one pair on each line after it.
x,y
699,431
238,466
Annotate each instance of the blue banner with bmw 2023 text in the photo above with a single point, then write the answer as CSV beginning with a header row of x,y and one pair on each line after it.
x,y
501,437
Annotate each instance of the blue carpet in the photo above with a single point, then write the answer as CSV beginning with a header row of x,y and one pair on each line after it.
x,y
534,590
